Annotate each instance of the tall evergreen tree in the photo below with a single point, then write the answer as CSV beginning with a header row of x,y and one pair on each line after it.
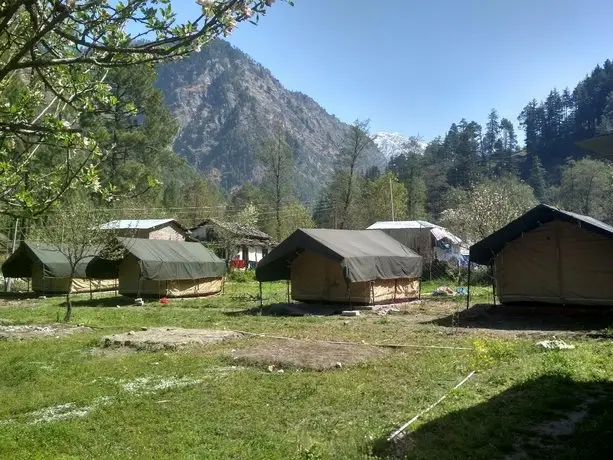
x,y
492,132
536,178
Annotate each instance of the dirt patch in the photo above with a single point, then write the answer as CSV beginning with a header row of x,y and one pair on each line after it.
x,y
307,355
158,338
21,332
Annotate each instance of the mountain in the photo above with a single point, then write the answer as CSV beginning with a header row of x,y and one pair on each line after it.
x,y
226,104
393,144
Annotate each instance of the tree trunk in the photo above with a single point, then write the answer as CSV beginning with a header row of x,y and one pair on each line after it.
x,y
68,301
278,207
348,197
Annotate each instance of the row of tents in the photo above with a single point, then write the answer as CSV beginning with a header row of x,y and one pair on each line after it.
x,y
348,266
547,255
146,268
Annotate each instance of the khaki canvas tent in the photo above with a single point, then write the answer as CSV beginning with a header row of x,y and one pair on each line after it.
x,y
164,269
550,256
346,266
49,270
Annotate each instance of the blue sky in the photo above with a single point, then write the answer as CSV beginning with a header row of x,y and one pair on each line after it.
x,y
416,66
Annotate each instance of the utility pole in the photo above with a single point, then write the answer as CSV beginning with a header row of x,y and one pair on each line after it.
x,y
392,198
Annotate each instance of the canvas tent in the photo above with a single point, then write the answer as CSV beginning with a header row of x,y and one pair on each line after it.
x,y
347,266
49,270
552,256
164,268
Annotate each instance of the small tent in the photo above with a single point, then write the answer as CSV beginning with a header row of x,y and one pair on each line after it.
x,y
49,270
550,256
164,268
347,266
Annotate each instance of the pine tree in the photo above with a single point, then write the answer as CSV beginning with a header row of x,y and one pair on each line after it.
x,y
536,178
492,132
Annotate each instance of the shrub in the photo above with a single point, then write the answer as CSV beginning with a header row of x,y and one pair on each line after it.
x,y
241,276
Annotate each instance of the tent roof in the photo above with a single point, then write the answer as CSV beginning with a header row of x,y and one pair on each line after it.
x,y
485,250
29,253
364,255
173,260
438,232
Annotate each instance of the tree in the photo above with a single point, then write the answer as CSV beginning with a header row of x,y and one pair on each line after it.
x,y
585,188
294,216
376,200
276,157
492,132
487,207
536,179
357,140
137,141
73,230
408,167
606,121
55,61
466,167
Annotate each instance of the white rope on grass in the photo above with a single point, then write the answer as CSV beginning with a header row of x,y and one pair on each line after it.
x,y
429,408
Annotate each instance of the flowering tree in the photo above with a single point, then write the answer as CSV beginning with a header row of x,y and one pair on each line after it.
x,y
487,207
55,56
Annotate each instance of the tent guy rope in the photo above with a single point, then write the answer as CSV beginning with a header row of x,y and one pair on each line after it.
x,y
429,408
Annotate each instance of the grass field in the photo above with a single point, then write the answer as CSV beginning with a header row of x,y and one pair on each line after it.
x,y
66,397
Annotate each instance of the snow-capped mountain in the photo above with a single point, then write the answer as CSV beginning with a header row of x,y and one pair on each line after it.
x,y
392,144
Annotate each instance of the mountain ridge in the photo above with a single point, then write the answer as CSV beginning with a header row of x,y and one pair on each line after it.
x,y
226,104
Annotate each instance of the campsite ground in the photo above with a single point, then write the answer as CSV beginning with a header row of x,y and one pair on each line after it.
x,y
64,396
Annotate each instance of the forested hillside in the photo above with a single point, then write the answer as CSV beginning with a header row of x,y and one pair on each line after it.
x,y
471,162
226,106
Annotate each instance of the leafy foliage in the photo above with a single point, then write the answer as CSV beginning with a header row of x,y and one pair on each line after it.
x,y
488,206
56,59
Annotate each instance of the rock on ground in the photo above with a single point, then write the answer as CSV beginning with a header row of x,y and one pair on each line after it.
x,y
167,337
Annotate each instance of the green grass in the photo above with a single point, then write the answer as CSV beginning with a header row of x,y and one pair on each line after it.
x,y
253,414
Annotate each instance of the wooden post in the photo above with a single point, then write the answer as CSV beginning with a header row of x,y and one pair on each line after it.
x,y
91,292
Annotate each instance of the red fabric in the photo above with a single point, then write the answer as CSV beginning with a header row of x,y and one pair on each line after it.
x,y
238,263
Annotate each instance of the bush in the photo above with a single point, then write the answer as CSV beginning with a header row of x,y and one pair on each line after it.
x,y
241,276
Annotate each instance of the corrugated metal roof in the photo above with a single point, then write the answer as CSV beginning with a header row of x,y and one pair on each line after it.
x,y
134,224
437,231
385,225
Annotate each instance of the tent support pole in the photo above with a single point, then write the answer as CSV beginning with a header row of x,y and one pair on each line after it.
x,y
91,293
349,293
288,299
372,293
260,295
395,289
493,283
468,290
